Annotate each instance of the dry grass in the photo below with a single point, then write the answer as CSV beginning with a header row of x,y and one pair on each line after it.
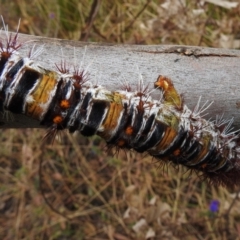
x,y
83,192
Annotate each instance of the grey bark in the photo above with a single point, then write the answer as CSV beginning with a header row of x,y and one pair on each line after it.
x,y
211,73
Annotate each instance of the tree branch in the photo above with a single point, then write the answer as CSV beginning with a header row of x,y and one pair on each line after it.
x,y
211,73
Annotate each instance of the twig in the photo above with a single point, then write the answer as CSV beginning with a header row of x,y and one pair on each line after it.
x,y
89,22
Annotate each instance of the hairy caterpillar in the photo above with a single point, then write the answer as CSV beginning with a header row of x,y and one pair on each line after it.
x,y
167,129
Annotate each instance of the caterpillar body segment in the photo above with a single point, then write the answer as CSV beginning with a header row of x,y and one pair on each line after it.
x,y
167,129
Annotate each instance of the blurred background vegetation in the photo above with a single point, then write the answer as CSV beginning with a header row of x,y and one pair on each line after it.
x,y
188,22
83,191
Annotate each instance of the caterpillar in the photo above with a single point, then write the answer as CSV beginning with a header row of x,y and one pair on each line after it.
x,y
166,129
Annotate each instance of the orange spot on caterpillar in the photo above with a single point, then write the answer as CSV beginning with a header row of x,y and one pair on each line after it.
x,y
58,119
177,152
121,143
204,165
129,130
65,104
